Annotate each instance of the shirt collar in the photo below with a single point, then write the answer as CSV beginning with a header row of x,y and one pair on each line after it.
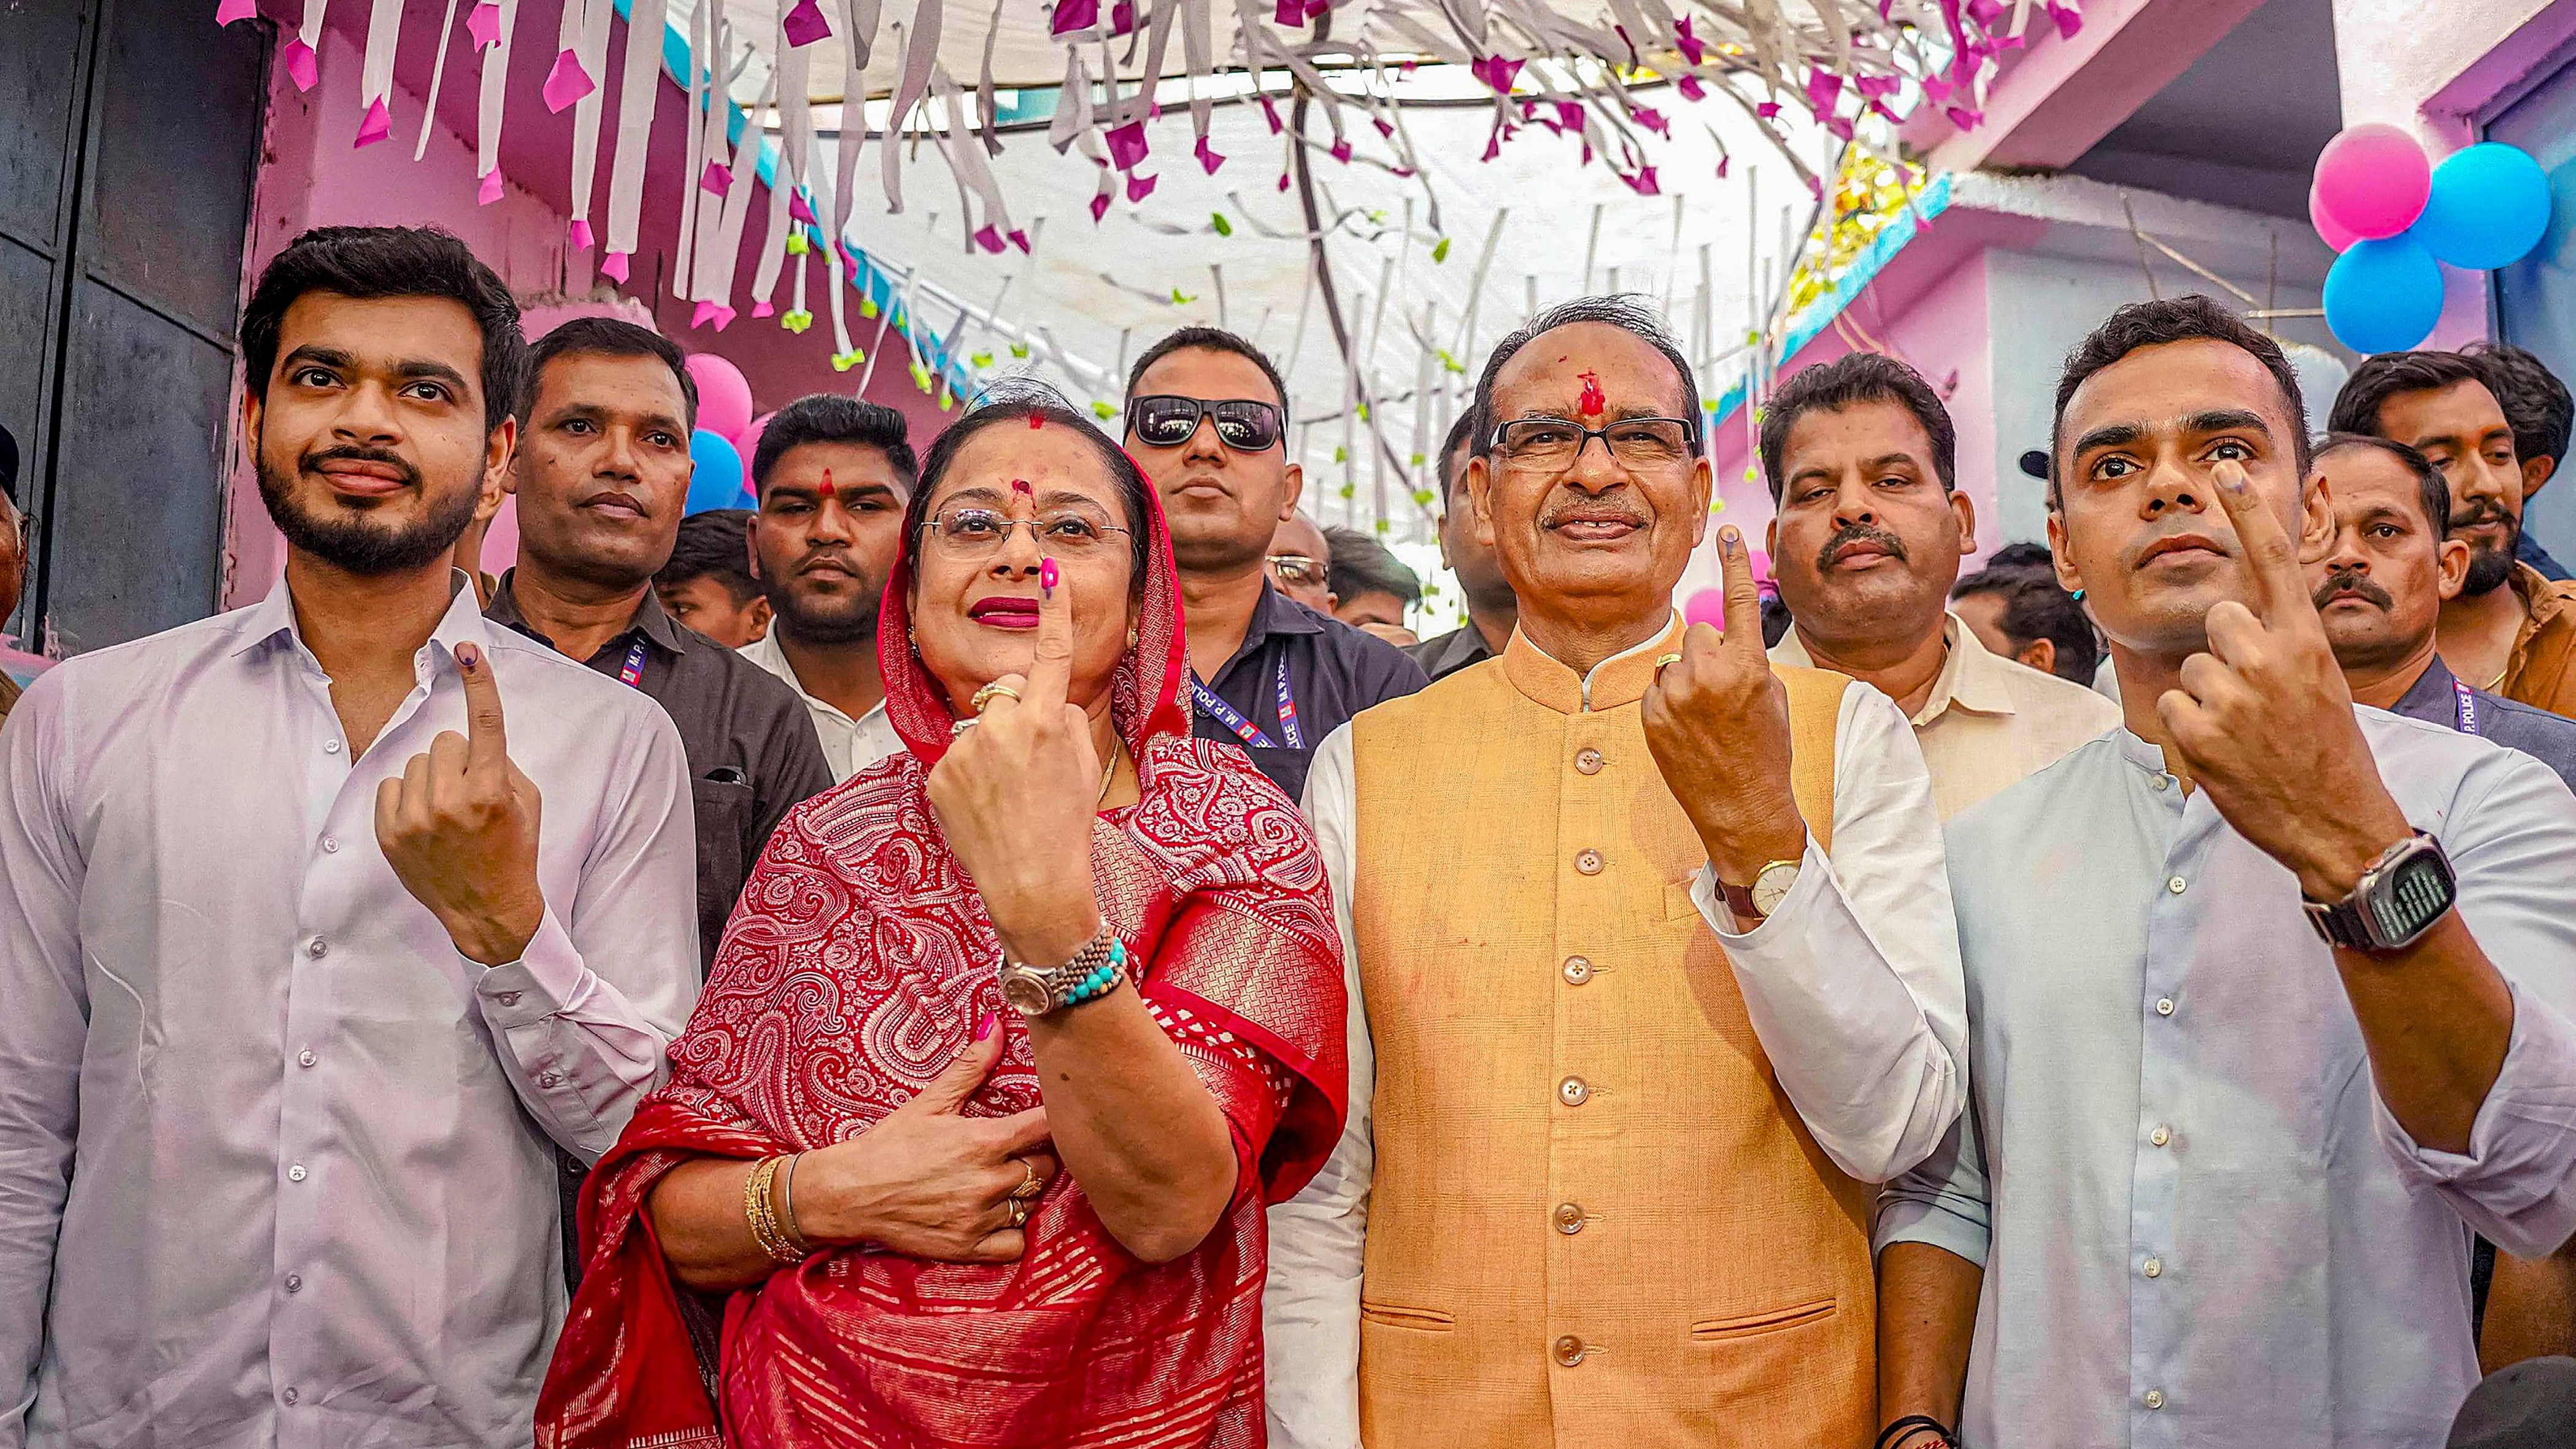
x,y
1971,676
1277,614
2430,696
651,620
273,618
1614,683
1456,651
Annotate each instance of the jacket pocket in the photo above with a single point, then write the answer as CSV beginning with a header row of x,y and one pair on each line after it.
x,y
1770,1320
1420,1320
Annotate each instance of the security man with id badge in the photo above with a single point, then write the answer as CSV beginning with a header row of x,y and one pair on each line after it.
x,y
1207,419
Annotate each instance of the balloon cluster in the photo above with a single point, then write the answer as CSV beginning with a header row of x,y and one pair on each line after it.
x,y
2394,216
726,437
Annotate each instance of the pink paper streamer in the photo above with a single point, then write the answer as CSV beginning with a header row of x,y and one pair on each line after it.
x,y
1208,156
1126,144
805,24
1073,15
377,125
615,267
703,314
717,178
484,25
579,232
567,82
723,315
302,66
1140,187
761,309
232,10
798,210
490,190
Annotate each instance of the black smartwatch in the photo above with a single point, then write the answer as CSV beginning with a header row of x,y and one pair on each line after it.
x,y
2403,893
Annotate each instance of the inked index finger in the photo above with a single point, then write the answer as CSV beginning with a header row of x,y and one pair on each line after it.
x,y
2271,557
1052,673
1743,595
487,745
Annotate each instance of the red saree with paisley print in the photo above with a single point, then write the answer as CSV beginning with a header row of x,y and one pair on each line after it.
x,y
858,962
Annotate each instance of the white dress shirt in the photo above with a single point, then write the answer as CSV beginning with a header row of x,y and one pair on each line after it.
x,y
2200,1226
849,745
274,1157
1853,986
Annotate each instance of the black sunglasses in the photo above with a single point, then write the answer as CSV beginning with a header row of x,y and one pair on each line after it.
x,y
1242,424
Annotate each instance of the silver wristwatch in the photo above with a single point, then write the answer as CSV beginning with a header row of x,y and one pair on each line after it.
x,y
1093,972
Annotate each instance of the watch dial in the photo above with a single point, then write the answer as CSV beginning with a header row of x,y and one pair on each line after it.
x,y
2415,897
1025,994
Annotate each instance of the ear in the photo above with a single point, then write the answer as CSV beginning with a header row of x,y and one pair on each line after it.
x,y
252,411
1703,483
2039,654
1294,487
2060,560
751,546
2454,569
2316,520
500,467
1771,542
2536,473
1480,487
1964,509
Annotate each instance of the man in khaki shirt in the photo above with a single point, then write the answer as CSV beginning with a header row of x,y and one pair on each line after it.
x,y
1869,531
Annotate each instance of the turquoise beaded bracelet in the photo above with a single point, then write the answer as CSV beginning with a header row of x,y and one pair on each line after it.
x,y
1101,979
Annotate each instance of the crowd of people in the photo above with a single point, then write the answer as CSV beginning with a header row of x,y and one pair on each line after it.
x,y
1016,944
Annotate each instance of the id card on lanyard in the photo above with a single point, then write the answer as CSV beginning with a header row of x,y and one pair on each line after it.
x,y
2468,707
631,673
1244,729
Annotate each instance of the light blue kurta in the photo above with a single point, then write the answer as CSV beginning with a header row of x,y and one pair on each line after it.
x,y
2200,1226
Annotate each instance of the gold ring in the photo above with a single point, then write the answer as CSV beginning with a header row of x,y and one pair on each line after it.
x,y
1029,1185
1662,660
962,726
985,696
1018,1208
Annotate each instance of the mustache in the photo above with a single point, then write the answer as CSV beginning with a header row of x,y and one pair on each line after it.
x,y
2478,511
1594,510
1852,533
2355,583
350,454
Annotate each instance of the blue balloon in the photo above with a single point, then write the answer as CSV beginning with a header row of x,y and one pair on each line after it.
x,y
2385,295
2489,207
717,483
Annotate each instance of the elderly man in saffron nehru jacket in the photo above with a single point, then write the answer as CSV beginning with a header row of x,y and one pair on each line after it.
x,y
1627,1054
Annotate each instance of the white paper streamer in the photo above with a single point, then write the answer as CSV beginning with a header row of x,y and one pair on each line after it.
x,y
684,254
646,22
919,56
437,78
590,43
487,110
717,265
795,65
384,31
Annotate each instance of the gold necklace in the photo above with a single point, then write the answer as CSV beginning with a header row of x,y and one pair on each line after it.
x,y
1115,747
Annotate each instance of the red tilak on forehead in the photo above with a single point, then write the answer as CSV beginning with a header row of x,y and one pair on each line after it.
x,y
1592,401
1036,421
827,483
1021,485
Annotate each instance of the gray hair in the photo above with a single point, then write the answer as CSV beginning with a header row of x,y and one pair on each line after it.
x,y
1630,312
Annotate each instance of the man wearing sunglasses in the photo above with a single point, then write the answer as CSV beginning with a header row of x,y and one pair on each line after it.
x,y
1207,419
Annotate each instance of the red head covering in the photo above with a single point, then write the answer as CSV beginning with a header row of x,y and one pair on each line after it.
x,y
854,970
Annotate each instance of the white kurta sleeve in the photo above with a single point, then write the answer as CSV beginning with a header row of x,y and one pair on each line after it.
x,y
1310,1308
1853,985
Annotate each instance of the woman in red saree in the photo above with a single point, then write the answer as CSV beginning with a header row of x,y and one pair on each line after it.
x,y
855,1147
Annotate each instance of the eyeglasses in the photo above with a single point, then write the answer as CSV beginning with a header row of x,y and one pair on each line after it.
x,y
1297,569
1555,443
1243,424
977,533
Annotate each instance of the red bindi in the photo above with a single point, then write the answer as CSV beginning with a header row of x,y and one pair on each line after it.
x,y
827,483
1592,401
1021,485
1036,421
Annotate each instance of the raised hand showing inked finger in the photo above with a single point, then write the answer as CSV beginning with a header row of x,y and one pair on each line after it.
x,y
459,827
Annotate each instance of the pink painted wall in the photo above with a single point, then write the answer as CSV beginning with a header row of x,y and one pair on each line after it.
x,y
1943,333
310,175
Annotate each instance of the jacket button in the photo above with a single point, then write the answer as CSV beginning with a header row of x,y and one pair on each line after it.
x,y
1572,1091
1569,1350
1588,761
1588,861
1577,970
1569,1219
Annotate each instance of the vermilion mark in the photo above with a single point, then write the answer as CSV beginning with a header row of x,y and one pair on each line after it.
x,y
1036,421
1021,485
827,483
1592,401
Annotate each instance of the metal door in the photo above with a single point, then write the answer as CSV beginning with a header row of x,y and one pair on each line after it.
x,y
129,138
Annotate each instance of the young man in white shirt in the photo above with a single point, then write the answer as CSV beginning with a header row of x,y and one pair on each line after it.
x,y
304,984
832,474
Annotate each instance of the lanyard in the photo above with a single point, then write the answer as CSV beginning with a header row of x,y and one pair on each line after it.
x,y
1244,729
2468,706
631,673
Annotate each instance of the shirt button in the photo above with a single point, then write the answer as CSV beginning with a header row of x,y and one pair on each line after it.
x,y
508,998
295,1173
317,948
330,747
1569,1350
2155,1398
2160,1136
1577,970
2175,885
294,1283
1588,862
2153,1267
2161,781
330,845
304,1058
1569,1219
2164,1006
1572,1091
550,1079
288,1394
1588,761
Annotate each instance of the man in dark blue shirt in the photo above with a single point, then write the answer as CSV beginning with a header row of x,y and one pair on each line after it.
x,y
2381,586
1207,419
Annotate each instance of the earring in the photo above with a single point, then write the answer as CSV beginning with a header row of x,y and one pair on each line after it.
x,y
1131,638
2079,596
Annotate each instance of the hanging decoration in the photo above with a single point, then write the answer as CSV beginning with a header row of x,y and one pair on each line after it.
x,y
2396,217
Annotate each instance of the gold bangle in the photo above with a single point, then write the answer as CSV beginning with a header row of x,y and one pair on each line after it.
x,y
763,1218
787,1207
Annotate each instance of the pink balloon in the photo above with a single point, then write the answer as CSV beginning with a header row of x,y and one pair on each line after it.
x,y
724,397
1708,606
2372,180
2335,236
748,441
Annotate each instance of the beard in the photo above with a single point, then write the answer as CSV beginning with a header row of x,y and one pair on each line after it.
x,y
2489,566
832,625
355,543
